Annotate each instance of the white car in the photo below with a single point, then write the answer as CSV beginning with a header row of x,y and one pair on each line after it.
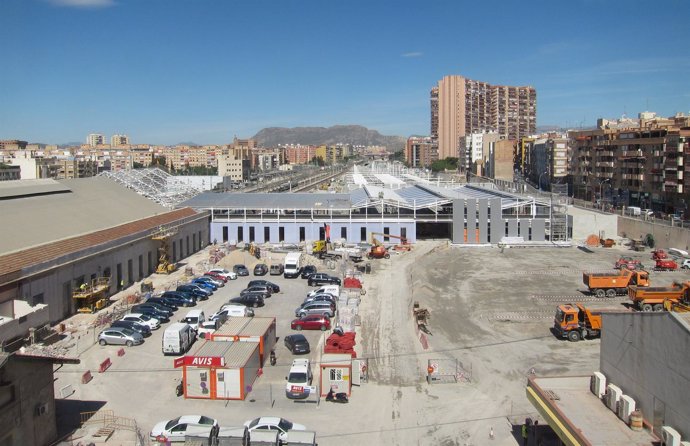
x,y
228,311
224,272
280,425
175,430
143,319
685,264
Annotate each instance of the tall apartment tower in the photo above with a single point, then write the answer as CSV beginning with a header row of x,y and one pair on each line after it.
x,y
119,140
465,106
95,139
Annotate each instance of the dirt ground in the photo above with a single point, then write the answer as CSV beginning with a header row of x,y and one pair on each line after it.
x,y
491,313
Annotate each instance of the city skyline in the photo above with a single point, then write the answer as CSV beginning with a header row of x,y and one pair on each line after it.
x,y
167,72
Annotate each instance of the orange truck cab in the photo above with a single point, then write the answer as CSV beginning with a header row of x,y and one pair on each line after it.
x,y
575,322
610,285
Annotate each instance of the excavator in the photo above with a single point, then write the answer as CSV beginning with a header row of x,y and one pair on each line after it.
x,y
378,251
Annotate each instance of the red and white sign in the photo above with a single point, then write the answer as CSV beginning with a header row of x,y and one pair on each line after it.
x,y
296,389
200,361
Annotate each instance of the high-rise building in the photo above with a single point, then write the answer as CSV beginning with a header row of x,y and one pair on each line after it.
x,y
420,151
119,140
461,106
95,139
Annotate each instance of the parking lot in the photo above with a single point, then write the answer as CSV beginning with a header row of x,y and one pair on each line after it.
x,y
491,313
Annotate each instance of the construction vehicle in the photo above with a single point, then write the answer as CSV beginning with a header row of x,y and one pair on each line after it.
x,y
628,263
91,297
659,254
654,298
324,250
404,244
421,316
609,285
163,234
575,322
665,265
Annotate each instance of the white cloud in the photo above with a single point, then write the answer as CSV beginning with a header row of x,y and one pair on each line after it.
x,y
84,3
412,54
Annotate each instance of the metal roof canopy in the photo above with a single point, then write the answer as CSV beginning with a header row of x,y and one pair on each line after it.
x,y
324,201
154,184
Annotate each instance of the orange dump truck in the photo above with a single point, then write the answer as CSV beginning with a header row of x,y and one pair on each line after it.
x,y
609,285
653,298
575,322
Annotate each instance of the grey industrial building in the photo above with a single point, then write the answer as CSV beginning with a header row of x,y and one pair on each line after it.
x,y
59,234
411,208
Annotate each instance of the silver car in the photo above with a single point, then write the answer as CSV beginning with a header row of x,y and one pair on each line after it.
x,y
120,336
318,307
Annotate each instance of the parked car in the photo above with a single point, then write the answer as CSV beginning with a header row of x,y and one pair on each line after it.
x,y
249,300
274,423
149,309
120,336
321,307
224,272
276,269
180,298
203,284
322,278
175,429
142,329
685,264
227,311
297,343
311,322
308,271
321,298
240,270
260,269
142,319
166,303
195,291
257,289
260,282
217,282
216,276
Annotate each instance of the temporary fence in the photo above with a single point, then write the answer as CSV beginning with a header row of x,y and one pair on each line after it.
x,y
447,371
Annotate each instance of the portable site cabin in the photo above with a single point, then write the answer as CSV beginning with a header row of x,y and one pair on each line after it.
x,y
336,373
220,370
261,330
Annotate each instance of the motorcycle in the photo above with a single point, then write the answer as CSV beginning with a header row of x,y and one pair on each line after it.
x,y
273,357
337,397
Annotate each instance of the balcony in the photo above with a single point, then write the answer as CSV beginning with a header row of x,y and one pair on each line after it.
x,y
603,164
633,176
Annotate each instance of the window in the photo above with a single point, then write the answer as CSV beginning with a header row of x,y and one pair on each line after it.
x,y
38,299
403,232
336,374
251,234
302,234
363,234
343,232
386,231
194,245
281,234
141,266
267,234
240,234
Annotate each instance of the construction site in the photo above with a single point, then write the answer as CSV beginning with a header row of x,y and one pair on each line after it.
x,y
473,340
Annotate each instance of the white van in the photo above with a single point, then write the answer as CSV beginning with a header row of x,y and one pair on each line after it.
x,y
194,317
333,290
634,211
299,379
293,265
177,338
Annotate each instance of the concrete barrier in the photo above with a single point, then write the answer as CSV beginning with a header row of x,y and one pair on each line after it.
x,y
121,352
105,365
86,377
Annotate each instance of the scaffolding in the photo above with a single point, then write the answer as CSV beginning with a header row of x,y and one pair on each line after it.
x,y
154,184
91,297
163,234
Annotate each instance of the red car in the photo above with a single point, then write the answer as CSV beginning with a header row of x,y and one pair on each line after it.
x,y
311,322
216,276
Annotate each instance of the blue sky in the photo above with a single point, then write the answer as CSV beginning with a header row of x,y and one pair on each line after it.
x,y
167,71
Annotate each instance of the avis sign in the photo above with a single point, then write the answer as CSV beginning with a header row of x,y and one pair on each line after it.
x,y
200,361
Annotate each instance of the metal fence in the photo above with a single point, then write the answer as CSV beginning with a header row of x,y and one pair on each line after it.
x,y
441,371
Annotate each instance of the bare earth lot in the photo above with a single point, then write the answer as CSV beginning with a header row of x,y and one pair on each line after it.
x,y
490,310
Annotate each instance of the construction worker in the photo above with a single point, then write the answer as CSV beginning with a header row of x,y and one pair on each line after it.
x,y
82,287
525,431
122,284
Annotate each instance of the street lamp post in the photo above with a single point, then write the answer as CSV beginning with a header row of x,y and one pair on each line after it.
x,y
601,188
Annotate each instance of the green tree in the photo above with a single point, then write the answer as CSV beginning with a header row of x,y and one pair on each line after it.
x,y
445,164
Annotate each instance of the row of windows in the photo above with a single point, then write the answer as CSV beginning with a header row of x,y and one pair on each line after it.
x,y
302,233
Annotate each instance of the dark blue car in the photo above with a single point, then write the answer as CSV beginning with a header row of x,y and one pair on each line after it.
x,y
195,291
182,299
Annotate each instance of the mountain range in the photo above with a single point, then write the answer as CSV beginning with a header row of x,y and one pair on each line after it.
x,y
337,134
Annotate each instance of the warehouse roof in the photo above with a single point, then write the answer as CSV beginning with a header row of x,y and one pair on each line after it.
x,y
12,264
268,201
35,212
574,413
